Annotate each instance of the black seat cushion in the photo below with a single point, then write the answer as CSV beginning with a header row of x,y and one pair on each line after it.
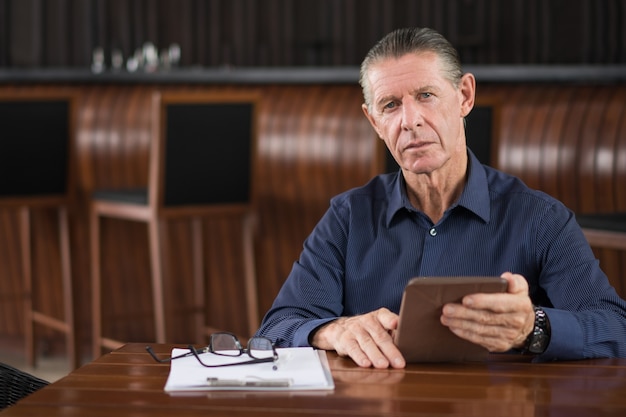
x,y
614,222
132,196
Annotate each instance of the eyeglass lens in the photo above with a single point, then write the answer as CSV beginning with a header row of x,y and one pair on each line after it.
x,y
260,348
228,345
225,344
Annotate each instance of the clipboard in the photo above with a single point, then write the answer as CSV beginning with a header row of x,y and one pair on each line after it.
x,y
420,336
298,369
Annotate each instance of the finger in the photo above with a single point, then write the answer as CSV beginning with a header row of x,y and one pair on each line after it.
x,y
376,340
495,331
508,317
346,343
496,325
352,349
492,337
357,340
373,352
496,343
374,337
501,302
387,318
497,302
384,340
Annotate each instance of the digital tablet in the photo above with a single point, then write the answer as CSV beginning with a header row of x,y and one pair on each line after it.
x,y
420,335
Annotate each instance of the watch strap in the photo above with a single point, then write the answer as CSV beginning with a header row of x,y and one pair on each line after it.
x,y
538,340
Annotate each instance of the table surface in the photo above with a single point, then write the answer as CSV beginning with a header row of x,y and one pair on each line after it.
x,y
127,382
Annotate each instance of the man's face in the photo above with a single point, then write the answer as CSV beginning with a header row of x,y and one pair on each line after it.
x,y
417,112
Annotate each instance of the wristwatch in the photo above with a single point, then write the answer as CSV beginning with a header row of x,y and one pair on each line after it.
x,y
538,340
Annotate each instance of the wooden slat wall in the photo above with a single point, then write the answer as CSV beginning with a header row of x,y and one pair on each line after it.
x,y
568,140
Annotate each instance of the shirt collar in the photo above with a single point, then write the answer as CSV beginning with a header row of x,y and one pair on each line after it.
x,y
475,195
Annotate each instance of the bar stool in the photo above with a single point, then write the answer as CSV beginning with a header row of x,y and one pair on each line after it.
x,y
36,173
184,182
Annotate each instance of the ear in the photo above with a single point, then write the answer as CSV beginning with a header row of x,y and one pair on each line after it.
x,y
468,93
371,119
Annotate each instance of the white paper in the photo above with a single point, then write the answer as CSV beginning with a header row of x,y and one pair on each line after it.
x,y
305,368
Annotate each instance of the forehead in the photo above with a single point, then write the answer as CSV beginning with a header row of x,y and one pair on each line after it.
x,y
410,72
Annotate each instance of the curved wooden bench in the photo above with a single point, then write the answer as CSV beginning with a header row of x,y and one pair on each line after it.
x,y
569,140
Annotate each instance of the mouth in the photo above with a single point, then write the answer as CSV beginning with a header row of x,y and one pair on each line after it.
x,y
417,145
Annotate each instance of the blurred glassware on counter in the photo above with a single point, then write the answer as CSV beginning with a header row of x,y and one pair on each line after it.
x,y
135,61
132,64
174,54
146,58
97,62
164,60
150,57
117,59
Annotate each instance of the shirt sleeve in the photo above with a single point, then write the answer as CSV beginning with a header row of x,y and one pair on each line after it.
x,y
313,292
587,316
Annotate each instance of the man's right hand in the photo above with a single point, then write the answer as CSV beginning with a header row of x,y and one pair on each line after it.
x,y
365,338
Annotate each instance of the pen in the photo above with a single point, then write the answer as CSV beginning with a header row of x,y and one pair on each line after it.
x,y
270,383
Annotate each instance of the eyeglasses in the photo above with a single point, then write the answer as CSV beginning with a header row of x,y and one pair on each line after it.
x,y
259,349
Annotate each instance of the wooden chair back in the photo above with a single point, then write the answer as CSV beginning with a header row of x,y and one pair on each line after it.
x,y
203,156
36,150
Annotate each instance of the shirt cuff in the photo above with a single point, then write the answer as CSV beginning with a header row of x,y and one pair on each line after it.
x,y
301,336
566,339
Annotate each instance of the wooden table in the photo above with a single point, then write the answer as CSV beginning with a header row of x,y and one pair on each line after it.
x,y
127,382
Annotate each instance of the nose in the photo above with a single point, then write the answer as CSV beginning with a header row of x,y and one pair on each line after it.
x,y
411,115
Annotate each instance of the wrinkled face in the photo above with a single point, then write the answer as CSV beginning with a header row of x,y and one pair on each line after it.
x,y
417,112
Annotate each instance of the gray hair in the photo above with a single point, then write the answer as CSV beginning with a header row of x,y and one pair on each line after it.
x,y
411,40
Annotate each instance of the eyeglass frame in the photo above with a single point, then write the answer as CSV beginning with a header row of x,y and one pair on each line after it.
x,y
209,349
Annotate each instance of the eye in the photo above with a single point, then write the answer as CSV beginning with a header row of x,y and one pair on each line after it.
x,y
425,95
389,105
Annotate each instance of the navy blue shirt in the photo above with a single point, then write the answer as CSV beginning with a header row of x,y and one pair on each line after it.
x,y
371,242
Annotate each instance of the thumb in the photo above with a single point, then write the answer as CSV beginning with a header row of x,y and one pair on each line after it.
x,y
517,284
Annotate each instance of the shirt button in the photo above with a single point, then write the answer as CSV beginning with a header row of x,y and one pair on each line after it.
x,y
433,232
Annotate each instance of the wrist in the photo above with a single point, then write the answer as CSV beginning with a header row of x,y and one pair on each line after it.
x,y
320,338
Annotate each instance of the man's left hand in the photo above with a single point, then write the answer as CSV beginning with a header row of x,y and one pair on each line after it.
x,y
499,322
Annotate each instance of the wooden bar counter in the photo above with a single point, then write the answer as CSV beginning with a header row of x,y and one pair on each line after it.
x,y
127,382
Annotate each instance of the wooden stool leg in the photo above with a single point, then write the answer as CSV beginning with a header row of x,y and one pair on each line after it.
x,y
198,279
154,226
29,328
96,290
73,351
250,273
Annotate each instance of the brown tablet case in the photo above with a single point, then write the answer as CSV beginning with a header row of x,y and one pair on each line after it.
x,y
420,335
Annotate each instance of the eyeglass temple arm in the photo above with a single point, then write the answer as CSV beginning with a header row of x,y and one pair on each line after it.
x,y
166,360
154,356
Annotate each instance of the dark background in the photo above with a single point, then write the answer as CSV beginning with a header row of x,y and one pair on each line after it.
x,y
253,33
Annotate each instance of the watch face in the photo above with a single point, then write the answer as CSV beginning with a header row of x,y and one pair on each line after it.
x,y
538,343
